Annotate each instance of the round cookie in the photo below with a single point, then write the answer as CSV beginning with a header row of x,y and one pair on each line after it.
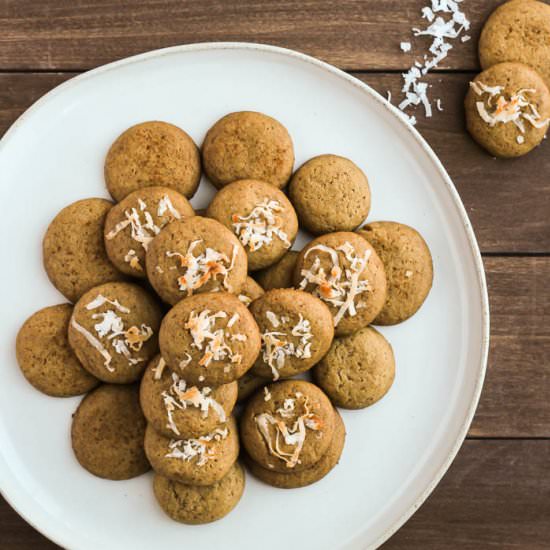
x,y
114,331
358,370
248,384
177,409
518,31
344,271
330,193
261,217
152,153
196,505
279,275
294,406
296,330
316,472
508,109
45,357
408,266
196,461
209,339
248,145
107,433
73,250
195,255
133,223
250,291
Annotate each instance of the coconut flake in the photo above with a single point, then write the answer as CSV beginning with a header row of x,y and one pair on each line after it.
x,y
200,448
405,46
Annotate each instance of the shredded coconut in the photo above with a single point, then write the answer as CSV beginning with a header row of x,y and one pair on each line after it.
x,y
285,431
159,369
200,448
246,300
405,46
132,259
267,394
202,268
342,285
260,226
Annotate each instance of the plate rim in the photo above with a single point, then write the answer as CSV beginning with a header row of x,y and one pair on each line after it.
x,y
60,537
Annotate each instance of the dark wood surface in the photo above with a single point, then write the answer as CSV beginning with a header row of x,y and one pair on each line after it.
x,y
497,492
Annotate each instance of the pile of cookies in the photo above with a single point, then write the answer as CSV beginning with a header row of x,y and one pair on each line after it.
x,y
508,104
169,331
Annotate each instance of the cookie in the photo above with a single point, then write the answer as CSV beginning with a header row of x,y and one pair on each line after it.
x,y
344,271
330,193
288,427
316,472
196,461
73,250
518,31
107,433
408,266
209,339
261,217
177,409
250,291
248,384
133,223
45,357
358,370
114,331
296,330
194,504
248,145
195,255
279,275
508,109
152,153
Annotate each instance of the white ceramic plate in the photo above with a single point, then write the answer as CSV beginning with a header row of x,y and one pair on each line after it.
x,y
396,451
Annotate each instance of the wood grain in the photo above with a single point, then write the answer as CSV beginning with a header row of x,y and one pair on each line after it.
x,y
504,198
495,495
352,34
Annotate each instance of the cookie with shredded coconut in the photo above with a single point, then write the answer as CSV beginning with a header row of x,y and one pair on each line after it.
x,y
250,291
177,409
107,433
152,153
45,357
248,145
316,472
210,339
408,265
358,370
133,223
196,505
296,330
73,250
508,109
279,275
201,460
195,255
290,430
518,31
114,331
344,271
261,217
330,193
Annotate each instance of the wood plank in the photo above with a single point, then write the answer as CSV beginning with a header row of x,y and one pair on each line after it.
x,y
496,494
502,197
352,34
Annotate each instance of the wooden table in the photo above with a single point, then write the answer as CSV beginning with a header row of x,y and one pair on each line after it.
x,y
497,492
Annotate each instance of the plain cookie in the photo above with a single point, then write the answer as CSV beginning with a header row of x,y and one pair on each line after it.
x,y
279,275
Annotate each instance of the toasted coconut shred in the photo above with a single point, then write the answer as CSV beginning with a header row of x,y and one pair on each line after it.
x,y
200,269
342,286
495,108
211,341
180,396
200,448
111,328
246,300
143,231
285,431
277,345
260,226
